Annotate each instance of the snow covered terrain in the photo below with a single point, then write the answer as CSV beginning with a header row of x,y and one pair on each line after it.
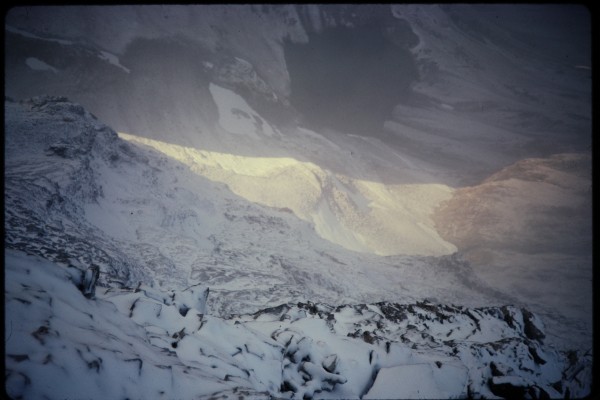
x,y
384,201
78,194
358,214
141,342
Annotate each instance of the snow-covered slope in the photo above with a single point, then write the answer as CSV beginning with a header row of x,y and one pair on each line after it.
x,y
78,194
338,154
358,214
498,83
146,343
452,107
183,76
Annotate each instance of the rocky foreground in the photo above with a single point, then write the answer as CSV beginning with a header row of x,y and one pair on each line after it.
x,y
68,339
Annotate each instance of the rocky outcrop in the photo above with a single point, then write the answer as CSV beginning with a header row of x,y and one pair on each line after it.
x,y
160,339
501,347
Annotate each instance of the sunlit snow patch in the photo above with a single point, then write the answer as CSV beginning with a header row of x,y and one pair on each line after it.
x,y
360,215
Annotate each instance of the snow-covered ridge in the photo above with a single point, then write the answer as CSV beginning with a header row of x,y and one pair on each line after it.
x,y
142,342
358,214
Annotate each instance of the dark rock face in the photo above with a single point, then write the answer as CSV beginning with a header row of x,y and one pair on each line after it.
x,y
362,70
516,389
393,313
532,331
90,278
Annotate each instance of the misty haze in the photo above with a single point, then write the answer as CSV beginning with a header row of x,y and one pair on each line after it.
x,y
298,201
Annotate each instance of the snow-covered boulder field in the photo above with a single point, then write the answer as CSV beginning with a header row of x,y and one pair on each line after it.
x,y
145,343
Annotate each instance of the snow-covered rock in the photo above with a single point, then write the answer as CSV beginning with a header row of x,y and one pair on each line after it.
x,y
140,342
419,381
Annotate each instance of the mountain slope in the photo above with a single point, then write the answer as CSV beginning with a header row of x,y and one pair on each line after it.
x,y
528,228
487,91
360,215
451,109
79,195
332,154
